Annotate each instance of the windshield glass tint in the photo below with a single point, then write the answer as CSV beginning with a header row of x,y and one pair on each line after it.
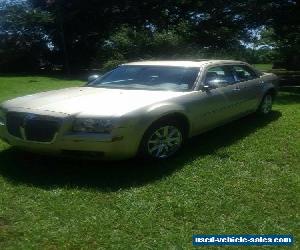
x,y
149,77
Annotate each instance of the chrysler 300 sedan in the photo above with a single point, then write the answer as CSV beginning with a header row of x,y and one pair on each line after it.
x,y
146,108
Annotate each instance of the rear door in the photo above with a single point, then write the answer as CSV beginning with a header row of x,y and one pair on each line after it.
x,y
214,106
249,84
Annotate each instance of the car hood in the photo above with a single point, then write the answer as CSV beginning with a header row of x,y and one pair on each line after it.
x,y
91,101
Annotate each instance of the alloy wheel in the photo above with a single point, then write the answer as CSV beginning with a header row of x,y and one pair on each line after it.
x,y
164,142
266,105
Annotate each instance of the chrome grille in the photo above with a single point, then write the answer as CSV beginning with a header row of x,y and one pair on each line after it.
x,y
32,127
13,122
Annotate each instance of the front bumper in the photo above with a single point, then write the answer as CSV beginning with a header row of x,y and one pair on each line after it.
x,y
122,143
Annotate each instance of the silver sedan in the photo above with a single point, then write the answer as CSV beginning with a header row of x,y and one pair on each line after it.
x,y
148,108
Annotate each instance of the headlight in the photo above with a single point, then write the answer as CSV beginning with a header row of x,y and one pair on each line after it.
x,y
91,125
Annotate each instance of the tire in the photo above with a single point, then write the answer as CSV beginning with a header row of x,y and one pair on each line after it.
x,y
265,106
162,140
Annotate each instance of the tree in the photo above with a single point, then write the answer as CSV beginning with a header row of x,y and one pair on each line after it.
x,y
77,33
286,25
23,39
87,26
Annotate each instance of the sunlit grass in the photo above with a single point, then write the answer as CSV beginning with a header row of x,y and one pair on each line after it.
x,y
263,67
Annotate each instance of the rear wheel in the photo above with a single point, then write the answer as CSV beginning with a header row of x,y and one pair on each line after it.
x,y
266,104
162,140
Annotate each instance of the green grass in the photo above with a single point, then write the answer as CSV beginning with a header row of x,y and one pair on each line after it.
x,y
13,86
286,77
239,178
263,67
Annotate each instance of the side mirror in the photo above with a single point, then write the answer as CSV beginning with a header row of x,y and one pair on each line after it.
x,y
93,77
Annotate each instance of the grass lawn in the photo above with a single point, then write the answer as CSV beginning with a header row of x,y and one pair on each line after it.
x,y
287,77
240,178
263,67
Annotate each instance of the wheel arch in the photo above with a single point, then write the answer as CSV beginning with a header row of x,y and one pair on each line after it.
x,y
172,116
271,91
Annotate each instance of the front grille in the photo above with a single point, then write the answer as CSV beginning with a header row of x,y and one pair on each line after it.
x,y
32,127
14,121
40,130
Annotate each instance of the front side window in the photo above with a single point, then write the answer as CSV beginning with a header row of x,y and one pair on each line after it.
x,y
244,73
219,77
149,77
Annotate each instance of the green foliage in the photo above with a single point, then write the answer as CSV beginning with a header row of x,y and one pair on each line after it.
x,y
23,39
264,67
110,64
286,26
92,33
129,44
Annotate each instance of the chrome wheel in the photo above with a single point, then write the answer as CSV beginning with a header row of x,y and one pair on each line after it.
x,y
164,142
266,105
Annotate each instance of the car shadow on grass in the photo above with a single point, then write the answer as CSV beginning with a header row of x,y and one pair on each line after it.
x,y
49,172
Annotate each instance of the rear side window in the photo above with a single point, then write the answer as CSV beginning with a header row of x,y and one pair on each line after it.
x,y
219,76
244,73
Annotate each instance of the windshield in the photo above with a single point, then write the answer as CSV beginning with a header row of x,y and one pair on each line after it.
x,y
149,77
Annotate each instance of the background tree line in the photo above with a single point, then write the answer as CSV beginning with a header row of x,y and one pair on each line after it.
x,y
74,34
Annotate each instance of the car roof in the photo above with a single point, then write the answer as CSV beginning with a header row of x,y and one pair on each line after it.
x,y
192,63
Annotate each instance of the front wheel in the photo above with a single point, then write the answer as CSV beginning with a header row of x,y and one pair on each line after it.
x,y
162,140
266,105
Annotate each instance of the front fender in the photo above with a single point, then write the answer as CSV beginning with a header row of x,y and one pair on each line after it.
x,y
270,82
146,117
